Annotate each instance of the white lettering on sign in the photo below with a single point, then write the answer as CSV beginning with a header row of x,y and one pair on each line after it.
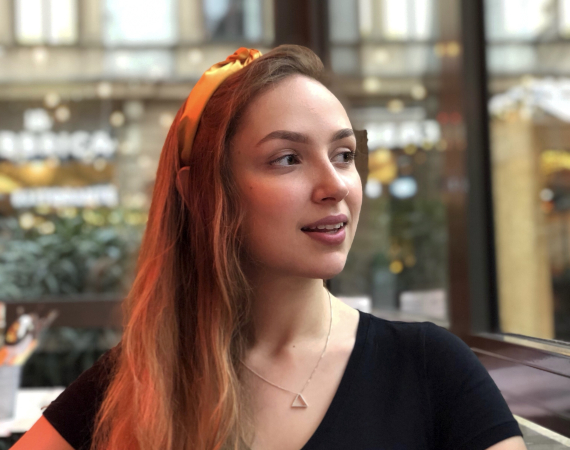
x,y
79,145
400,134
38,141
37,120
90,196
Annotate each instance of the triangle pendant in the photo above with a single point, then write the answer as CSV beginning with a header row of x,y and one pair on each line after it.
x,y
299,402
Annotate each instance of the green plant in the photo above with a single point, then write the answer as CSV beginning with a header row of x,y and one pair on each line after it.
x,y
85,251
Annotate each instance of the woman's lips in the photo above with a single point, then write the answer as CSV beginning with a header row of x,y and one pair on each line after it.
x,y
331,237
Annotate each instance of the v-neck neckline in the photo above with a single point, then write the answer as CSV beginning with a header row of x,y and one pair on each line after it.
x,y
346,382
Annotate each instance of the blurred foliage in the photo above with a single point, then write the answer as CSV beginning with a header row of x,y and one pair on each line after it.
x,y
419,237
401,244
68,252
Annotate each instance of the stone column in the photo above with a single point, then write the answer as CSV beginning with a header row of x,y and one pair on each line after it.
x,y
524,283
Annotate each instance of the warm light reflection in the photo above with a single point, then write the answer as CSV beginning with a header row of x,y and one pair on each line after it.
x,y
554,161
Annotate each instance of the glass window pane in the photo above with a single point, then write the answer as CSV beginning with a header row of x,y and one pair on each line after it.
x,y
530,131
252,16
29,21
516,19
396,19
46,21
343,21
407,19
63,22
135,22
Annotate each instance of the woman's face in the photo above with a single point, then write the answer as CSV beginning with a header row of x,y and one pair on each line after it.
x,y
292,162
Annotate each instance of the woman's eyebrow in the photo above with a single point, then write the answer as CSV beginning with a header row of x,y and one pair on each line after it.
x,y
301,138
341,134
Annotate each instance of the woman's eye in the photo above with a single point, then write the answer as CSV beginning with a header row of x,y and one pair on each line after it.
x,y
286,160
346,157
292,159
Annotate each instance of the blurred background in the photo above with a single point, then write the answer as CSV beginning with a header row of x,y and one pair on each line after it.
x,y
466,108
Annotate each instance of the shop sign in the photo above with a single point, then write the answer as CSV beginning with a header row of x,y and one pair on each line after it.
x,y
58,197
37,141
401,134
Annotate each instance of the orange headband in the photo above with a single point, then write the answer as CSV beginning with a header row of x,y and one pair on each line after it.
x,y
203,90
198,98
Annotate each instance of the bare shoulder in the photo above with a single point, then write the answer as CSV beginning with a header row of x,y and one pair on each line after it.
x,y
42,436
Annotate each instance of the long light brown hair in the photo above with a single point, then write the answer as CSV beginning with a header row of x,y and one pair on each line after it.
x,y
175,377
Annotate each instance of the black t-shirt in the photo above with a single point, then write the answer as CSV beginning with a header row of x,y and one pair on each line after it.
x,y
407,386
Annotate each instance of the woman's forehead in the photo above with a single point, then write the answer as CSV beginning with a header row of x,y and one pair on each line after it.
x,y
297,103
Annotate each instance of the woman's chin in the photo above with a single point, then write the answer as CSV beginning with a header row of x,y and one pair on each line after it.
x,y
327,270
324,267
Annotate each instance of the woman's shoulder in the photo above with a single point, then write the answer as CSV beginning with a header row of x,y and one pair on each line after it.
x,y
428,343
73,412
98,376
404,331
90,384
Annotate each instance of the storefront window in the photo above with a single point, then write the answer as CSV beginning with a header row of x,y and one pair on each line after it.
x,y
81,137
68,225
81,131
529,92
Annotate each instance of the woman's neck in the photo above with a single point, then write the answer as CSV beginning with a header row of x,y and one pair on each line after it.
x,y
288,311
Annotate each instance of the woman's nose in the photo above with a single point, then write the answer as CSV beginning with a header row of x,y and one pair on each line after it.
x,y
329,184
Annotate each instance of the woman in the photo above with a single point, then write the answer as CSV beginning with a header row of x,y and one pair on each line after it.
x,y
231,339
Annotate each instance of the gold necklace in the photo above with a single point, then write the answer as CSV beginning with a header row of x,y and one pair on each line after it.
x,y
299,401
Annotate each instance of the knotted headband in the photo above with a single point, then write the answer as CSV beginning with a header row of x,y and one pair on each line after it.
x,y
197,100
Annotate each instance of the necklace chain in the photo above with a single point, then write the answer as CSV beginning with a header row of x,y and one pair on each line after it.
x,y
307,382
